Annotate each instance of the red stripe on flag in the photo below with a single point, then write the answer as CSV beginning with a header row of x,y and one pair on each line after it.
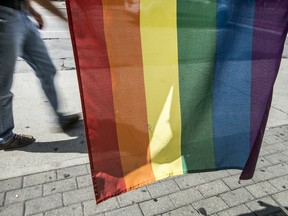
x,y
97,99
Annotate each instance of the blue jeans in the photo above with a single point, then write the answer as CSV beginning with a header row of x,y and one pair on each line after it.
x,y
19,36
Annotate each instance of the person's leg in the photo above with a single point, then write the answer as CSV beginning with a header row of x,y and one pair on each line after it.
x,y
8,56
36,55
11,36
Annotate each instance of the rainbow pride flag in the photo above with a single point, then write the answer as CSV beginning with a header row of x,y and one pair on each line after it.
x,y
171,87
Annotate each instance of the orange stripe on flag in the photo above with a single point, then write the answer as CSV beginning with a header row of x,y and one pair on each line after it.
x,y
122,33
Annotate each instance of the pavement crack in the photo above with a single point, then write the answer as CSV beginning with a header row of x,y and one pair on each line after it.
x,y
279,110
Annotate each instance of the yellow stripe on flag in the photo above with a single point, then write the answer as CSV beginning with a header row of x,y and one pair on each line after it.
x,y
158,24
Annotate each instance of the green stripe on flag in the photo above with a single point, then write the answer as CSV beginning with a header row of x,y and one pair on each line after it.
x,y
196,22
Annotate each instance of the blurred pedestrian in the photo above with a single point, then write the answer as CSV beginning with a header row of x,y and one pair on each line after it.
x,y
19,36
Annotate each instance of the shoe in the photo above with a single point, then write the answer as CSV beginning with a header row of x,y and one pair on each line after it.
x,y
67,122
17,141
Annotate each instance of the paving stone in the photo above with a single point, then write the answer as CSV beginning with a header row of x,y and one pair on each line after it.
x,y
275,130
283,134
263,162
261,189
43,204
157,206
264,143
238,210
268,132
263,152
236,197
39,178
234,172
233,182
263,175
184,211
279,147
270,172
272,139
212,176
84,181
128,210
134,196
277,158
213,188
284,137
281,183
185,197
72,172
2,195
10,184
285,152
24,194
163,188
210,205
88,166
59,186
263,206
15,209
72,210
79,195
189,180
282,198
91,208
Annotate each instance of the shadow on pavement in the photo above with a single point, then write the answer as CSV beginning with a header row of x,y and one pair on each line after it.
x,y
268,210
75,144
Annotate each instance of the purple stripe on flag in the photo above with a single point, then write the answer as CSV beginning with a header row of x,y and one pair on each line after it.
x,y
270,28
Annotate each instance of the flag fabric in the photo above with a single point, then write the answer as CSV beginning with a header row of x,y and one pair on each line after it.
x,y
170,87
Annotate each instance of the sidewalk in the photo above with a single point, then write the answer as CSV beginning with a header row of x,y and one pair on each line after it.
x,y
68,191
52,177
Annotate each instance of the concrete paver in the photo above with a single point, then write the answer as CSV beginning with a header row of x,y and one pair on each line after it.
x,y
213,188
262,189
135,196
238,210
237,197
72,210
185,211
187,181
163,188
185,197
16,209
59,186
43,204
157,206
23,194
210,206
39,178
129,210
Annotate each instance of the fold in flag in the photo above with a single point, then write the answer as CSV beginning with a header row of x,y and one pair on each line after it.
x,y
171,87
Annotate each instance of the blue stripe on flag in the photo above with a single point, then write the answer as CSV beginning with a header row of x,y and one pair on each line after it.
x,y
232,82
